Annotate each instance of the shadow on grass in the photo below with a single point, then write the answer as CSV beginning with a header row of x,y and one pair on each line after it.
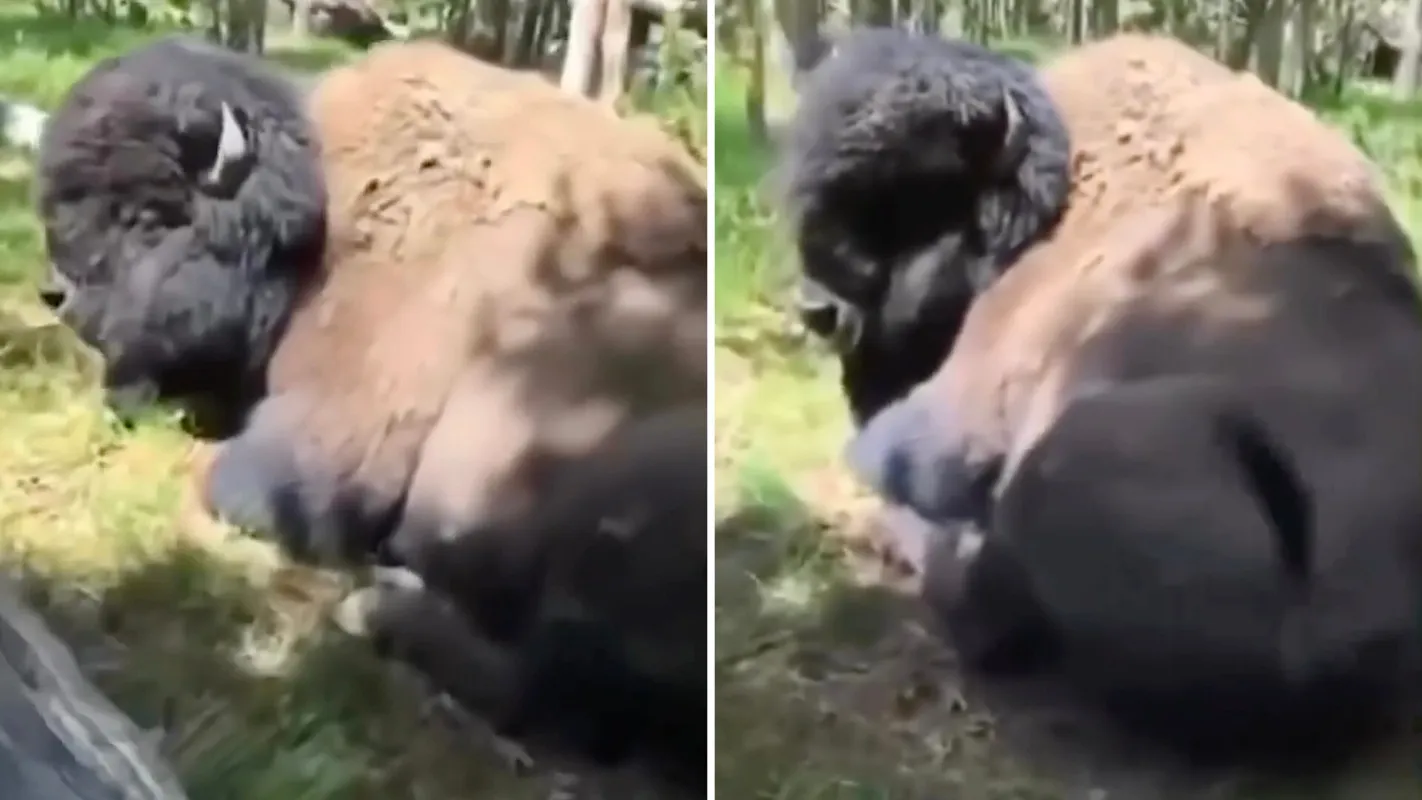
x,y
190,643
830,686
176,643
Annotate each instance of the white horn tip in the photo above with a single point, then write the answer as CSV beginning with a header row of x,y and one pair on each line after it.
x,y
24,125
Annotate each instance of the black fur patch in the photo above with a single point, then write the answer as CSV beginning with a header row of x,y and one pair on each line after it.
x,y
895,167
183,290
602,592
264,480
1223,539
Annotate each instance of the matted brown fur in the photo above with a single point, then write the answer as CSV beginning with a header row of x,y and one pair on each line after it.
x,y
499,240
1170,152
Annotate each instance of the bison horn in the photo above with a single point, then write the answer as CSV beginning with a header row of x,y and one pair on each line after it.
x,y
1014,136
233,156
829,316
21,125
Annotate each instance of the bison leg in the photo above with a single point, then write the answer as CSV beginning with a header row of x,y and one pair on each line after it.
x,y
267,479
915,455
246,476
559,680
987,605
421,629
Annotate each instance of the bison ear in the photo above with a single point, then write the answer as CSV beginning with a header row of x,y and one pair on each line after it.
x,y
221,162
1014,136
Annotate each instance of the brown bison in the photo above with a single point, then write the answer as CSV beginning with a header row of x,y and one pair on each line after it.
x,y
1182,409
408,296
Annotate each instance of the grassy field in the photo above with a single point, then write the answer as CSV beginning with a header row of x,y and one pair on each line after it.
x,y
829,684
189,627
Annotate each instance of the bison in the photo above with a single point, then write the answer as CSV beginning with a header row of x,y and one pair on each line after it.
x,y
1180,413
593,609
407,296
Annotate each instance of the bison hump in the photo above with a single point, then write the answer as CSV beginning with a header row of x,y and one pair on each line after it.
x,y
1151,118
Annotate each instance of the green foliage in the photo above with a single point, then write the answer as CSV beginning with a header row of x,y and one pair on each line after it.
x,y
1390,132
680,94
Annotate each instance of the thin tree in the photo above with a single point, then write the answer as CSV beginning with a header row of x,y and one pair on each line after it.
x,y
580,57
614,41
1404,81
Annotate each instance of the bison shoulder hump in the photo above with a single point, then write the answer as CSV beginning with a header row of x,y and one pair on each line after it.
x,y
501,139
1151,119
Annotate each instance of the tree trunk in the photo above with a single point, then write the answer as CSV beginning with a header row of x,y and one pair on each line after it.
x,y
214,20
1298,49
579,58
1243,47
550,23
1106,17
458,15
616,36
301,19
493,17
1268,58
246,23
1345,47
878,12
1404,81
797,34
755,93
1223,33
525,55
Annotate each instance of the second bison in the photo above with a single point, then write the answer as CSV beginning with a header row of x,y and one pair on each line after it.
x,y
1177,392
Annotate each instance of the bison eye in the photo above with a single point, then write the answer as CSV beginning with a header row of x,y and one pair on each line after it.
x,y
53,296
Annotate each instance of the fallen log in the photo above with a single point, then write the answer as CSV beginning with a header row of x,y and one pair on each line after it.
x,y
60,738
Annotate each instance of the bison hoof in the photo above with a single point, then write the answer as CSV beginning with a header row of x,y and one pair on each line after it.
x,y
354,613
130,401
515,756
358,613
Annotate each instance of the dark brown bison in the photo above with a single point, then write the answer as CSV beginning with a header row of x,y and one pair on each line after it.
x,y
1182,412
408,296
590,613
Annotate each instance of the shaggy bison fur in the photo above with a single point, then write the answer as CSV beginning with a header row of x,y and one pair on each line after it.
x,y
418,226
589,613
888,129
184,211
411,295
1184,419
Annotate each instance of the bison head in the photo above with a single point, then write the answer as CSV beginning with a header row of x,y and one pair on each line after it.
x,y
917,170
184,211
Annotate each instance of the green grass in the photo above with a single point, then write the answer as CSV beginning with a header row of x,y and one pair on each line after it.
x,y
828,684
186,625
